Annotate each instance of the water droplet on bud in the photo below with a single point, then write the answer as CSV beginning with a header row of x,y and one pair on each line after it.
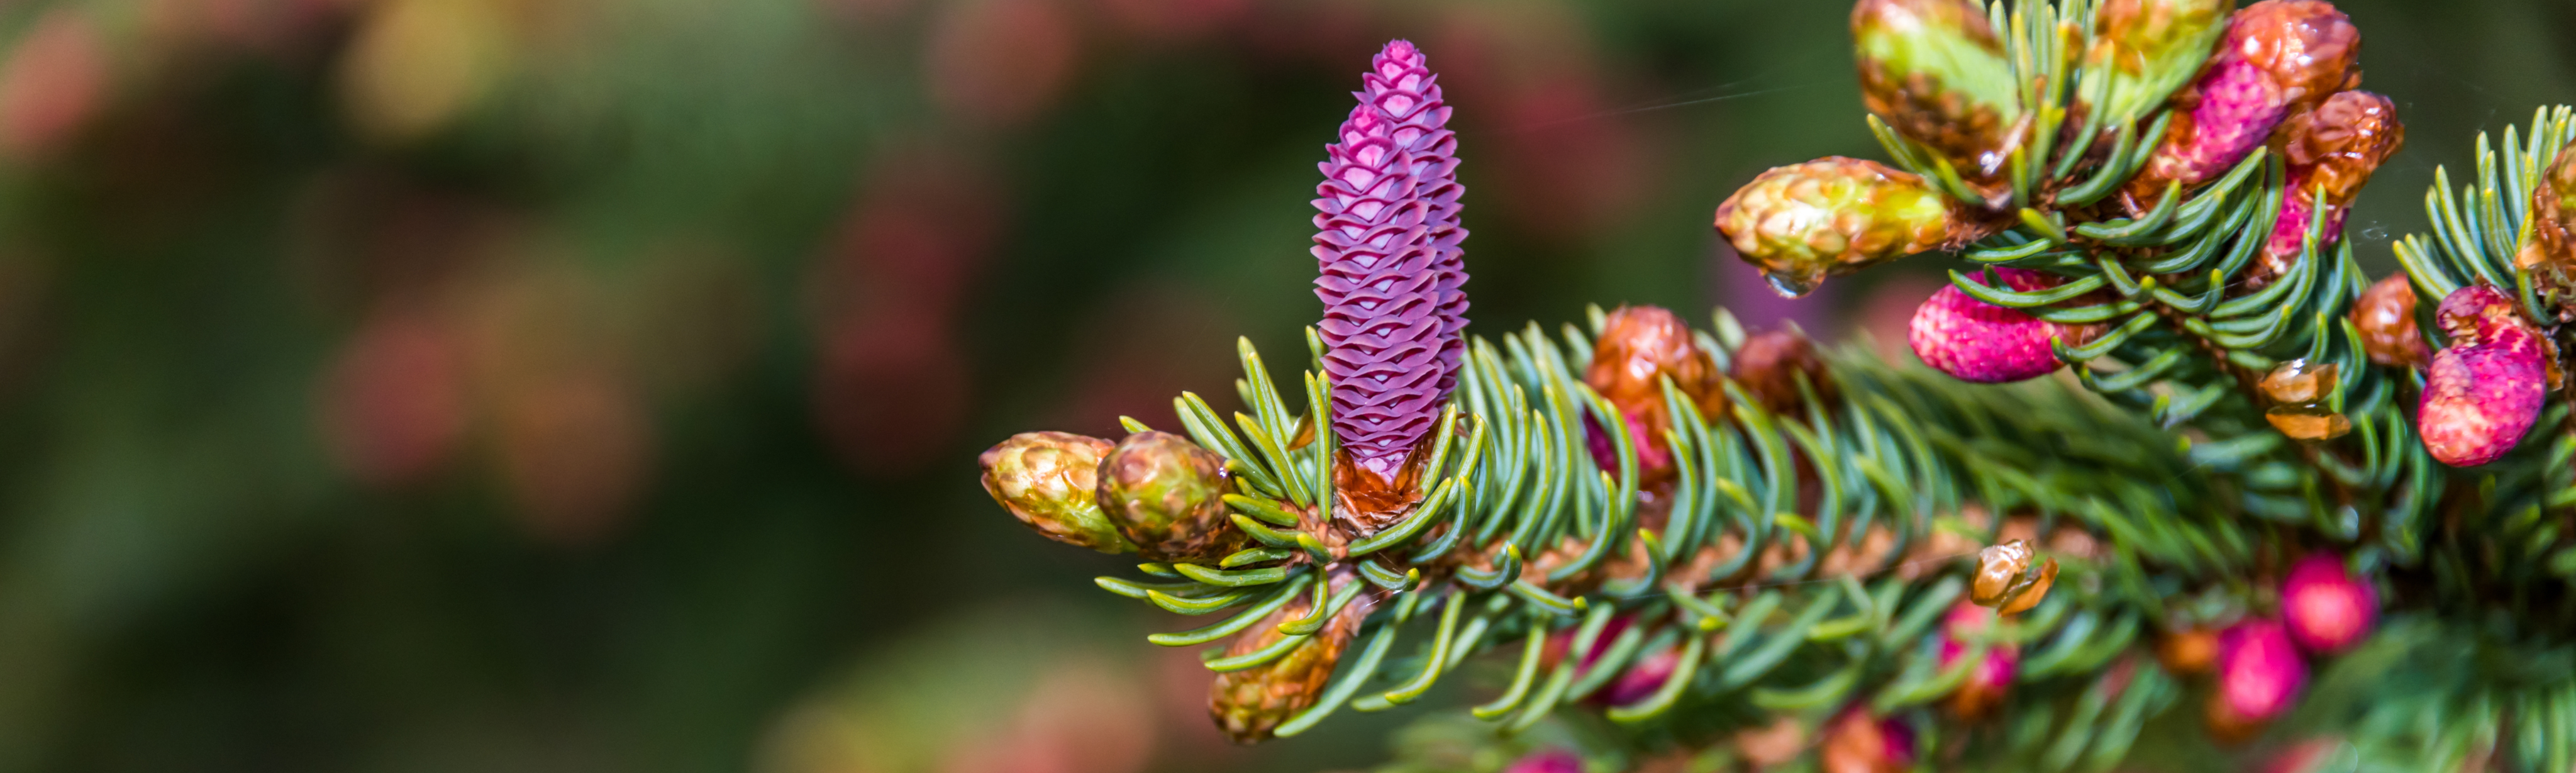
x,y
1791,286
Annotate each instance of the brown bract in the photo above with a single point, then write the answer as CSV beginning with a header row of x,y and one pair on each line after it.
x,y
1366,502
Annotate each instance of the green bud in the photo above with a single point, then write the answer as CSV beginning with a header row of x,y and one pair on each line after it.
x,y
1835,215
2147,49
1166,494
1046,480
1934,70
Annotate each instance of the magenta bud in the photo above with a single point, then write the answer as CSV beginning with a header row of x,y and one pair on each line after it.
x,y
2259,672
2327,609
1642,678
2483,393
2277,58
1985,688
1550,760
1980,342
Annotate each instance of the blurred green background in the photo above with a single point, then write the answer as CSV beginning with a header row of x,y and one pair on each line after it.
x,y
595,385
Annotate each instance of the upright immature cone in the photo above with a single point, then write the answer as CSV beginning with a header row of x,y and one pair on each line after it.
x,y
1048,481
2549,256
2484,391
1167,495
1935,72
1387,246
2277,58
1835,215
1249,704
2147,49
2331,150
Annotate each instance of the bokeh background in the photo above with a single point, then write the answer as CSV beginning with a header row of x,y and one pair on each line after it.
x,y
594,385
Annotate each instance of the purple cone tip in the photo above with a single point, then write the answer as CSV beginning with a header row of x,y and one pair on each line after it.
x,y
1387,248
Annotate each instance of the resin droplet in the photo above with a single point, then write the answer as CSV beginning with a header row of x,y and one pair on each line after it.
x,y
2299,382
2007,579
2307,423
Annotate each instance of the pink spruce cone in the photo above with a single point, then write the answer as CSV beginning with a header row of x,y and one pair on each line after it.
x,y
1388,249
2278,58
1980,342
2259,676
2328,609
2484,391
1984,690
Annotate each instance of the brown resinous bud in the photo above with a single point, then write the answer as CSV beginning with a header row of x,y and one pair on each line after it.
x,y
1836,215
1167,495
1048,481
1250,704
2385,317
2549,255
1639,347
1770,364
2332,150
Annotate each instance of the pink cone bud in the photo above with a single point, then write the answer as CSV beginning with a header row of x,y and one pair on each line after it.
x,y
1977,341
2278,58
1550,760
1641,679
1984,690
2259,673
2328,609
1388,248
2483,393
